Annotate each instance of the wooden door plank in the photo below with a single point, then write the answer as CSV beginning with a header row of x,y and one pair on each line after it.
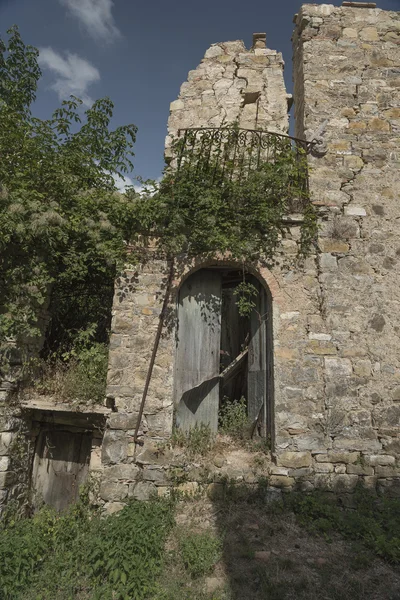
x,y
60,467
197,356
256,386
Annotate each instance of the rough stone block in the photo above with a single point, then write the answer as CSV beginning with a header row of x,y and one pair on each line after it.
x,y
143,490
113,492
383,460
215,491
336,246
359,470
338,457
128,472
323,468
279,471
157,476
113,507
328,262
355,211
281,482
322,337
121,420
7,478
152,455
294,460
338,367
115,447
386,471
5,442
343,483
177,105
213,52
4,463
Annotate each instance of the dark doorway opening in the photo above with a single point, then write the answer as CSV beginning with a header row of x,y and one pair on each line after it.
x,y
222,356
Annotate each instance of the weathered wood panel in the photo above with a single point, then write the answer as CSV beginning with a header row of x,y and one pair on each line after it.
x,y
257,365
233,335
60,466
197,356
270,413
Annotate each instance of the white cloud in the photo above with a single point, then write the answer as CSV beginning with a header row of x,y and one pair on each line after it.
x,y
122,184
73,74
96,18
142,188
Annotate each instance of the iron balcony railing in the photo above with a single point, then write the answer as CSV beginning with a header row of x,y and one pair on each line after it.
x,y
235,152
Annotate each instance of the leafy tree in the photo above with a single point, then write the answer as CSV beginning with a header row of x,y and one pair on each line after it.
x,y
63,226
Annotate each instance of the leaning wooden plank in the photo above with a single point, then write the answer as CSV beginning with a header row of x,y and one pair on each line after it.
x,y
234,367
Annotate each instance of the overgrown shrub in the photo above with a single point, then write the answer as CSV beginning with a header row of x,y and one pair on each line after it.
x,y
233,419
79,378
79,555
200,552
62,223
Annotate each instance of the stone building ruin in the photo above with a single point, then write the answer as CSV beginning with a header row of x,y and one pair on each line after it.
x,y
323,370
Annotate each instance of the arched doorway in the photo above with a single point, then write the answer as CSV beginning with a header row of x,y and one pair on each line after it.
x,y
221,355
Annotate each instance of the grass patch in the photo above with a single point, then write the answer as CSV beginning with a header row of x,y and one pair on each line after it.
x,y
200,552
373,522
79,555
81,378
198,441
233,419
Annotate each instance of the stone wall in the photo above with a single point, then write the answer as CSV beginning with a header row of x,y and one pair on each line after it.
x,y
347,89
335,318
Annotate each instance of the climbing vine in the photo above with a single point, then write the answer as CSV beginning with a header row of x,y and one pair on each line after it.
x,y
203,209
206,207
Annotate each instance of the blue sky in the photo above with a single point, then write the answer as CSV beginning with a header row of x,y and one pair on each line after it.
x,y
139,52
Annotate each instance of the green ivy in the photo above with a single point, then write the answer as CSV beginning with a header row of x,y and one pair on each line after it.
x,y
64,228
204,209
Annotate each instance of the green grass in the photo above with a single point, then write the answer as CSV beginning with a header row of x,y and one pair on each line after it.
x,y
372,522
199,552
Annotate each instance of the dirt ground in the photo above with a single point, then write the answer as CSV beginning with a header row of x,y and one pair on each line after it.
x,y
267,555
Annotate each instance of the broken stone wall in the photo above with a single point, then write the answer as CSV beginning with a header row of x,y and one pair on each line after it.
x,y
233,85
18,352
335,318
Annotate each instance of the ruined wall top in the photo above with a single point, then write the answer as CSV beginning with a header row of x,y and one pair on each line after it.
x,y
233,84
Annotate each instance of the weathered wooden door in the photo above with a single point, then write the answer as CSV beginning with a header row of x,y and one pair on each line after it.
x,y
257,363
198,351
60,466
